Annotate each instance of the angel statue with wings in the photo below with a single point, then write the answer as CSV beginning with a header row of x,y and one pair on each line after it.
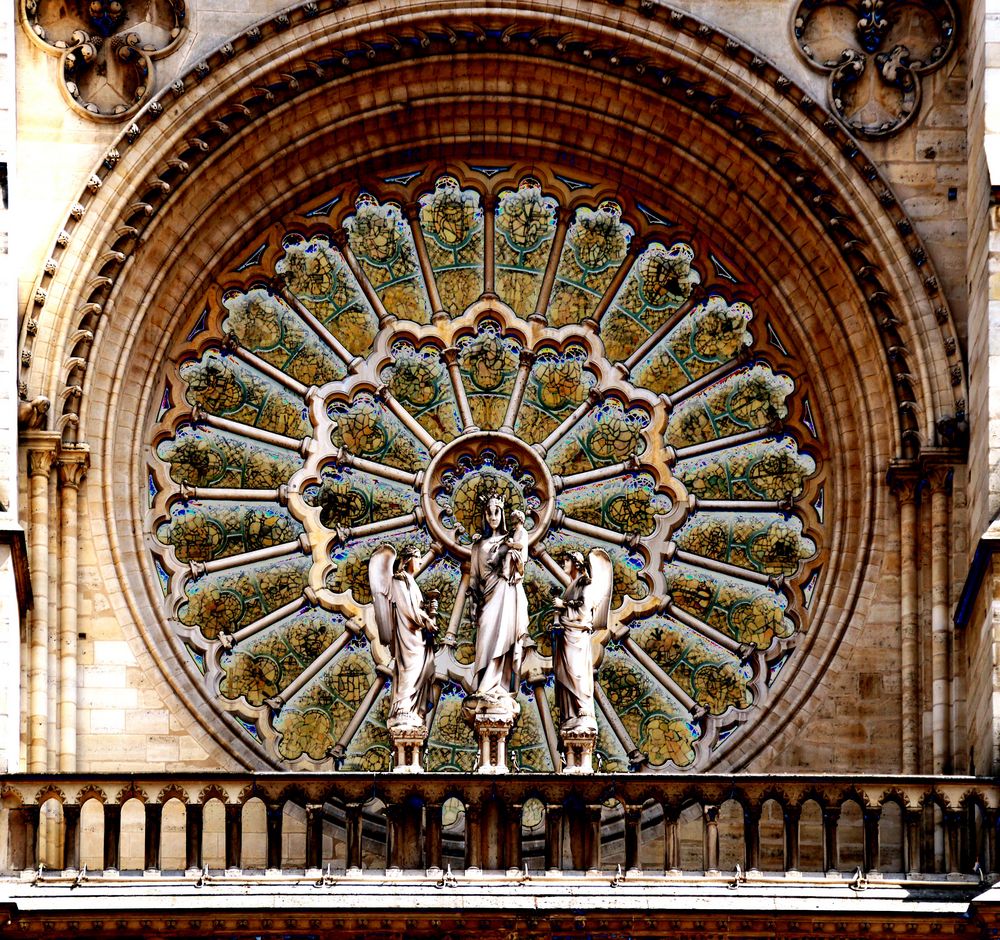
x,y
582,610
406,627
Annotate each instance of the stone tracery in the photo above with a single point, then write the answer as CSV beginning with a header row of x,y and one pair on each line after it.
x,y
610,390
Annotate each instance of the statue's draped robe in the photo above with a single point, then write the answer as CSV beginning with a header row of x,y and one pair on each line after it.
x,y
413,672
503,616
573,661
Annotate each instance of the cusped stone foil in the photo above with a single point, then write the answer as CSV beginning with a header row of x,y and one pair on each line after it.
x,y
373,382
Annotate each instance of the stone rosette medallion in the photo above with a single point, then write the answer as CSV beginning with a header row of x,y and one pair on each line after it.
x,y
370,378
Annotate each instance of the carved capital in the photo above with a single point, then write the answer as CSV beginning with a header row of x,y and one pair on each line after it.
x,y
40,462
73,466
904,481
937,468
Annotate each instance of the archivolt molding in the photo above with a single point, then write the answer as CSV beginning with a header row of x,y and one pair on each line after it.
x,y
296,51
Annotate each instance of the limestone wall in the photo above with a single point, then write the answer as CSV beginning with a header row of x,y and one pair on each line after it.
x,y
124,720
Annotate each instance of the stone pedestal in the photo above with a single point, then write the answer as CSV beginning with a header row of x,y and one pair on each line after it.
x,y
492,721
407,746
578,746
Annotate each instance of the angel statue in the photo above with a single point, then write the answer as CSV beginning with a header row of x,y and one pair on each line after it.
x,y
582,609
406,627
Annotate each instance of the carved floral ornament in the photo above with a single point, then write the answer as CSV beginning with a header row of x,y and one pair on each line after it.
x,y
368,379
106,48
875,53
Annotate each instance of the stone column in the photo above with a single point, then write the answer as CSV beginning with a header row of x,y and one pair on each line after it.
x,y
73,465
904,482
41,454
937,479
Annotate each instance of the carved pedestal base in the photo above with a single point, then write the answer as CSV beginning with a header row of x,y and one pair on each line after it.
x,y
492,722
579,748
407,745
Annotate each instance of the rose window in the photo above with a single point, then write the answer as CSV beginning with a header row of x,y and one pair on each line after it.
x,y
371,377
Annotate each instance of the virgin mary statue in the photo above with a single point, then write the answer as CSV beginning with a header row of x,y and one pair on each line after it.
x,y
499,604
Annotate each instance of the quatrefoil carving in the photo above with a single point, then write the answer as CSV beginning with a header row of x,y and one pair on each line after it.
x,y
106,48
875,53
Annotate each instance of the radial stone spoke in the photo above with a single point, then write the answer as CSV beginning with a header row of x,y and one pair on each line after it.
x,y
555,255
339,751
595,476
449,357
353,363
657,335
698,504
427,559
456,612
656,671
634,250
383,471
673,553
347,533
526,361
409,422
724,443
301,544
596,531
263,366
710,377
200,416
412,212
437,687
744,651
635,756
234,494
593,397
548,725
371,295
551,566
306,600
278,702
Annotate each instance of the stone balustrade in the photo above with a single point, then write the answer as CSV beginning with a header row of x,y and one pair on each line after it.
x,y
887,826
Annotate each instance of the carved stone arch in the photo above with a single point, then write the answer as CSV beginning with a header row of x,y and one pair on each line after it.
x,y
694,47
133,260
895,795
173,792
130,792
213,792
50,792
91,792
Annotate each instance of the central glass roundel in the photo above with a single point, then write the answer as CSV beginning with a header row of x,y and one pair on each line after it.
x,y
465,473
626,403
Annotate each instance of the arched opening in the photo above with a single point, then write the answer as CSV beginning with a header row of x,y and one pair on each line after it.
x,y
811,839
253,822
732,843
891,839
533,835
92,834
691,832
651,837
850,837
373,835
213,845
132,851
612,835
293,835
173,836
50,834
772,836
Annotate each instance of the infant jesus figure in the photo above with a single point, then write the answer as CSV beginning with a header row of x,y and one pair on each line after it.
x,y
517,548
